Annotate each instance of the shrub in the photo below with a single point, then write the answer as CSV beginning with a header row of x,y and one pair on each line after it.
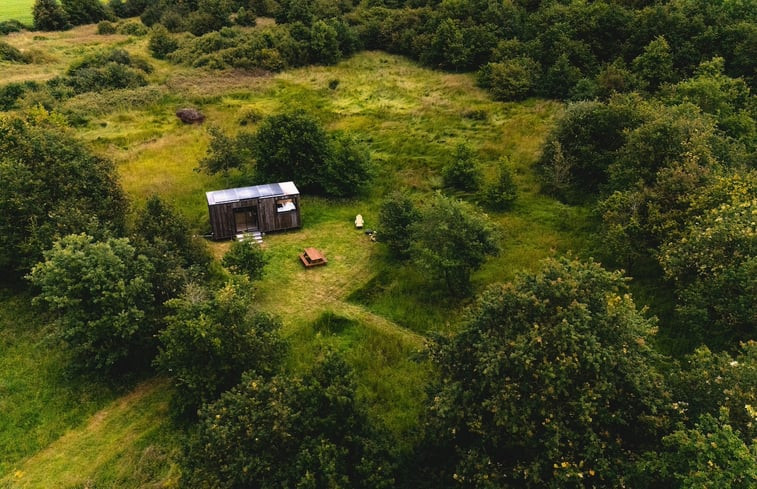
x,y
223,332
463,171
82,12
8,26
397,216
132,28
502,193
246,257
161,43
100,294
12,54
105,27
510,80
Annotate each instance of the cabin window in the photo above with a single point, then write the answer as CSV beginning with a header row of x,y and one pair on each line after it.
x,y
285,205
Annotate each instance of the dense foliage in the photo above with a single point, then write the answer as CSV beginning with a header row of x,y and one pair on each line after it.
x,y
100,295
289,431
246,257
50,186
552,382
211,338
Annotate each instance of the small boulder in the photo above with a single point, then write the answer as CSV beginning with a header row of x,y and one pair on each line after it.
x,y
190,116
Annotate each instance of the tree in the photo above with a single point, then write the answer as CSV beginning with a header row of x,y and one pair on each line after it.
x,y
347,170
308,432
51,186
463,171
585,143
502,193
551,382
711,454
655,65
324,44
100,295
713,264
82,12
50,16
226,153
451,241
722,385
396,219
291,146
225,333
246,257
163,236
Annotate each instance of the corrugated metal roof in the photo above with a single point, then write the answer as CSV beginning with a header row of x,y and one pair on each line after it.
x,y
254,192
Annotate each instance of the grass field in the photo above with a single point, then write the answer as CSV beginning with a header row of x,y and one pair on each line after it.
x,y
377,313
20,10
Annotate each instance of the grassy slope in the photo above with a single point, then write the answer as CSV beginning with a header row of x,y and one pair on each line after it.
x,y
373,311
20,10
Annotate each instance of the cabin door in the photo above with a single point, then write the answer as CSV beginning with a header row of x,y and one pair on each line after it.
x,y
246,219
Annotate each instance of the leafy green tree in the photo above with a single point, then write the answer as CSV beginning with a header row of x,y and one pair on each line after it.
x,y
308,432
452,240
347,171
50,16
501,194
246,257
711,454
713,266
163,236
291,146
208,342
463,171
82,12
668,136
655,65
552,382
585,143
717,383
50,186
396,219
100,295
226,153
324,44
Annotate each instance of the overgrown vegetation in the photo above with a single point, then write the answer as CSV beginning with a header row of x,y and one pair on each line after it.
x,y
448,352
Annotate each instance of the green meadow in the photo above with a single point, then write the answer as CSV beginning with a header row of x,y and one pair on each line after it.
x,y
66,432
20,10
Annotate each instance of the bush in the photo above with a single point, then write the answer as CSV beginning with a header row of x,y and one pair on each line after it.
x,y
307,432
223,332
115,69
12,54
501,194
347,169
463,171
82,12
161,43
510,80
105,28
246,257
8,26
100,295
131,28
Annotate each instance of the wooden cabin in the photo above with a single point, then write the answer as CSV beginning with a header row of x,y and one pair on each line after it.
x,y
261,208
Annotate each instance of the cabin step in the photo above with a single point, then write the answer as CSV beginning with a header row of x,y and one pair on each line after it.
x,y
255,235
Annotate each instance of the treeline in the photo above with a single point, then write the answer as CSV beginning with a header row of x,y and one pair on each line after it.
x,y
575,50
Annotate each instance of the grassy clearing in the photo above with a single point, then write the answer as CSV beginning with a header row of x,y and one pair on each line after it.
x,y
20,10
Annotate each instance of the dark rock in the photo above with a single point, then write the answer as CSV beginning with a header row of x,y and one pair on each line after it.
x,y
190,116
